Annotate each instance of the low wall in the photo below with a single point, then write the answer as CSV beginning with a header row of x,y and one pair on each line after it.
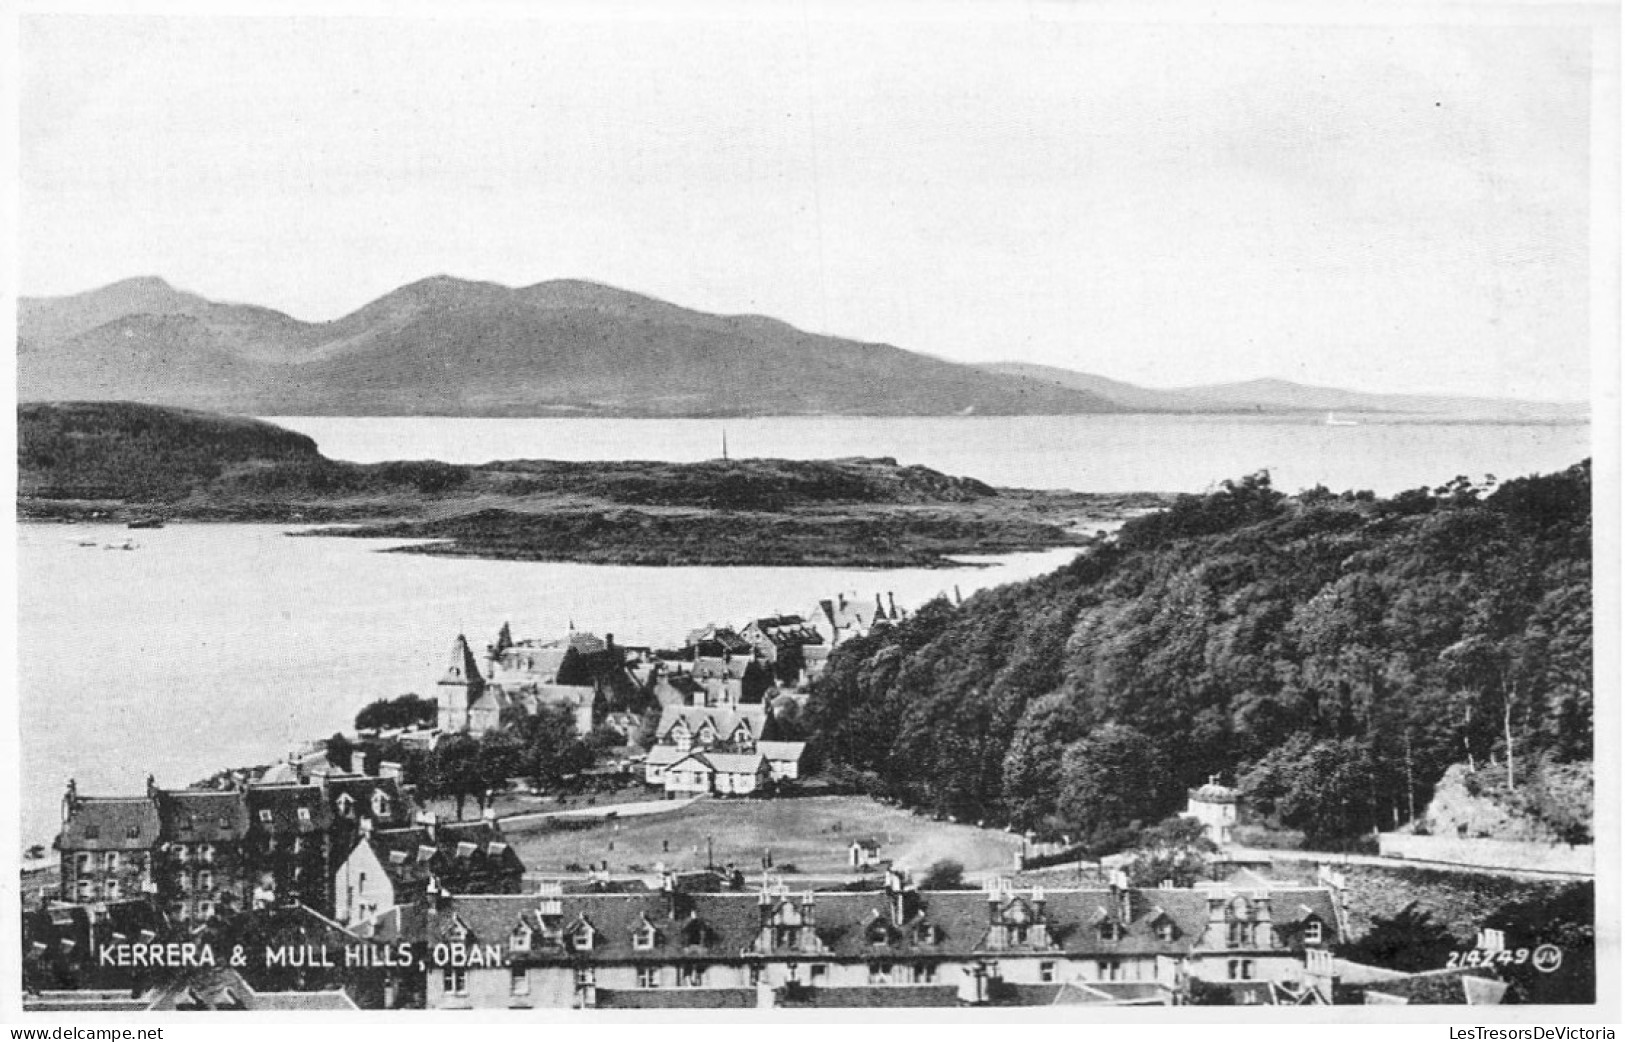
x,y
1488,853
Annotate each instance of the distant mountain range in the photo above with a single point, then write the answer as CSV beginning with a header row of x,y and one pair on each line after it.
x,y
1284,396
449,347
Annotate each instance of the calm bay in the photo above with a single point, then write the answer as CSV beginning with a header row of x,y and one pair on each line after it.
x,y
213,646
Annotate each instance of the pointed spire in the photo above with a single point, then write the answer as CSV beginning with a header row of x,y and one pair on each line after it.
x,y
724,444
504,639
463,669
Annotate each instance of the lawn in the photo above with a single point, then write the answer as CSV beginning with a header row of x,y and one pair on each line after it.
x,y
811,833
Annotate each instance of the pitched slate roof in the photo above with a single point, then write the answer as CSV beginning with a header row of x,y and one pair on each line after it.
x,y
857,925
105,823
786,752
459,855
203,816
281,804
724,721
665,754
736,763
361,787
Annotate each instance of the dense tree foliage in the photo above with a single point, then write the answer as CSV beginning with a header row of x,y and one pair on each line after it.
x,y
403,711
1333,654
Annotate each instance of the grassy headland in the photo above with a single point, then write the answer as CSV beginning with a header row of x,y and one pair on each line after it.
x,y
122,461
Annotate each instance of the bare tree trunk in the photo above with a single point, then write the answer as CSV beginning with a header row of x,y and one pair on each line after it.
x,y
1506,720
1410,778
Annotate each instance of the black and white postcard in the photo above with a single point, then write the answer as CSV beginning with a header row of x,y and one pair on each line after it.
x,y
767,512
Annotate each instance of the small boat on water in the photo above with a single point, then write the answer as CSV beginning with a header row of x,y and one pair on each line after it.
x,y
1333,421
146,522
128,544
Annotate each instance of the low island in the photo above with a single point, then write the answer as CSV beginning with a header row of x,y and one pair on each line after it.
x,y
144,465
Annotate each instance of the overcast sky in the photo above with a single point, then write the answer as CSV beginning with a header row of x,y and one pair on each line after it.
x,y
1399,208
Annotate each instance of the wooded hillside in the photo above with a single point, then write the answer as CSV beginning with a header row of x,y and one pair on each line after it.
x,y
1332,654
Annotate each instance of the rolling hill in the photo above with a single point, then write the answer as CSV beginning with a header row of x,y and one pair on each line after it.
x,y
445,346
1283,396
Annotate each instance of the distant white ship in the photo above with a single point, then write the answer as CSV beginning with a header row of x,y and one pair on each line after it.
x,y
1333,421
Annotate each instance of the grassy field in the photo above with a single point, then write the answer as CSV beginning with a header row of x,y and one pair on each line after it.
x,y
811,833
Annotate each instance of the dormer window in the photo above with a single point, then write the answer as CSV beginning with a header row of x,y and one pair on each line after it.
x,y
93,832
1313,932
519,940
466,849
265,816
380,805
397,857
1165,930
345,803
225,823
133,832
1111,930
643,938
425,852
581,938
458,931
304,815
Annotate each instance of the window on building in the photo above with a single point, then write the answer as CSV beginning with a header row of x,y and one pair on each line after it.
x,y
925,973
1237,935
81,863
224,823
648,976
86,890
518,980
1109,969
880,973
133,832
691,976
205,909
818,973
1111,931
304,815
454,981
1241,969
1165,930
586,975
1313,932
265,816
755,974
205,853
643,938
1046,972
519,940
205,880
93,832
110,890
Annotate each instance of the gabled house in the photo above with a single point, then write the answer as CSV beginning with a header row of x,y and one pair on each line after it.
x,y
900,946
391,867
107,846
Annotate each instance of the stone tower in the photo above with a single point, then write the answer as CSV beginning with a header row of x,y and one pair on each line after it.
x,y
460,688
